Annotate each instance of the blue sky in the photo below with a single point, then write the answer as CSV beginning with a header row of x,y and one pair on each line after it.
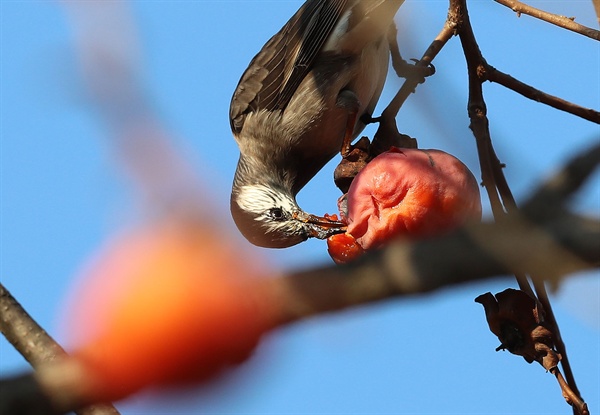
x,y
62,195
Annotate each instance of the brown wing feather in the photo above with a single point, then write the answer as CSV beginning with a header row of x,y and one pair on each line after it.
x,y
278,69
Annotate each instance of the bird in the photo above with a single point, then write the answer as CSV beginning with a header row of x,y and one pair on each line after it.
x,y
305,97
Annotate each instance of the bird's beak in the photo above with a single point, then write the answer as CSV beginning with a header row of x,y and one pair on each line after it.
x,y
319,226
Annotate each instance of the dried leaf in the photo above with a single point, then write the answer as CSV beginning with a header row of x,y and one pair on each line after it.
x,y
514,317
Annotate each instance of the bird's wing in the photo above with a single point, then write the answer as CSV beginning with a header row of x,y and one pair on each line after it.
x,y
276,72
370,21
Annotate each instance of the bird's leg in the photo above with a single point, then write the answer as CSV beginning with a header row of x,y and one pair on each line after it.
x,y
349,101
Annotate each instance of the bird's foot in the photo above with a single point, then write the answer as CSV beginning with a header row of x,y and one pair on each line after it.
x,y
347,99
413,71
367,119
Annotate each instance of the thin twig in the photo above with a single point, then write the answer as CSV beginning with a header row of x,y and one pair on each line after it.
x,y
540,289
494,75
560,21
571,396
509,203
542,295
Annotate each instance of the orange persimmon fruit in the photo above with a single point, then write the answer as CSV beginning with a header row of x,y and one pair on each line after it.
x,y
408,193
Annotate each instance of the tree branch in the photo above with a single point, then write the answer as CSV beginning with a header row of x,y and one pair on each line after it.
x,y
494,75
501,198
40,350
560,21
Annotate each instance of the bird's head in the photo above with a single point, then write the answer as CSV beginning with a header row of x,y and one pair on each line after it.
x,y
270,217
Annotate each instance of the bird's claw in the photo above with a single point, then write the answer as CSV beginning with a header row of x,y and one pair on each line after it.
x,y
414,71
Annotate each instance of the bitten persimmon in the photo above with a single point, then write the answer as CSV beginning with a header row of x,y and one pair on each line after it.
x,y
409,193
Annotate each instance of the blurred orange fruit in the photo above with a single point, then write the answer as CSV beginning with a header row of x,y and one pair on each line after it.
x,y
168,304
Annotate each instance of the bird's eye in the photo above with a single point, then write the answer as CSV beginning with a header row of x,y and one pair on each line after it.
x,y
276,214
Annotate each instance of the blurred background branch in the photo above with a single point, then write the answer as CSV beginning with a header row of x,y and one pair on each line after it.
x,y
546,240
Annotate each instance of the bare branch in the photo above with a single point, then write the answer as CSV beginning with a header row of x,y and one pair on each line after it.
x,y
31,341
560,21
494,75
38,348
497,187
571,396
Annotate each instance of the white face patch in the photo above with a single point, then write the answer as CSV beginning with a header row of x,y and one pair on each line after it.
x,y
258,199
